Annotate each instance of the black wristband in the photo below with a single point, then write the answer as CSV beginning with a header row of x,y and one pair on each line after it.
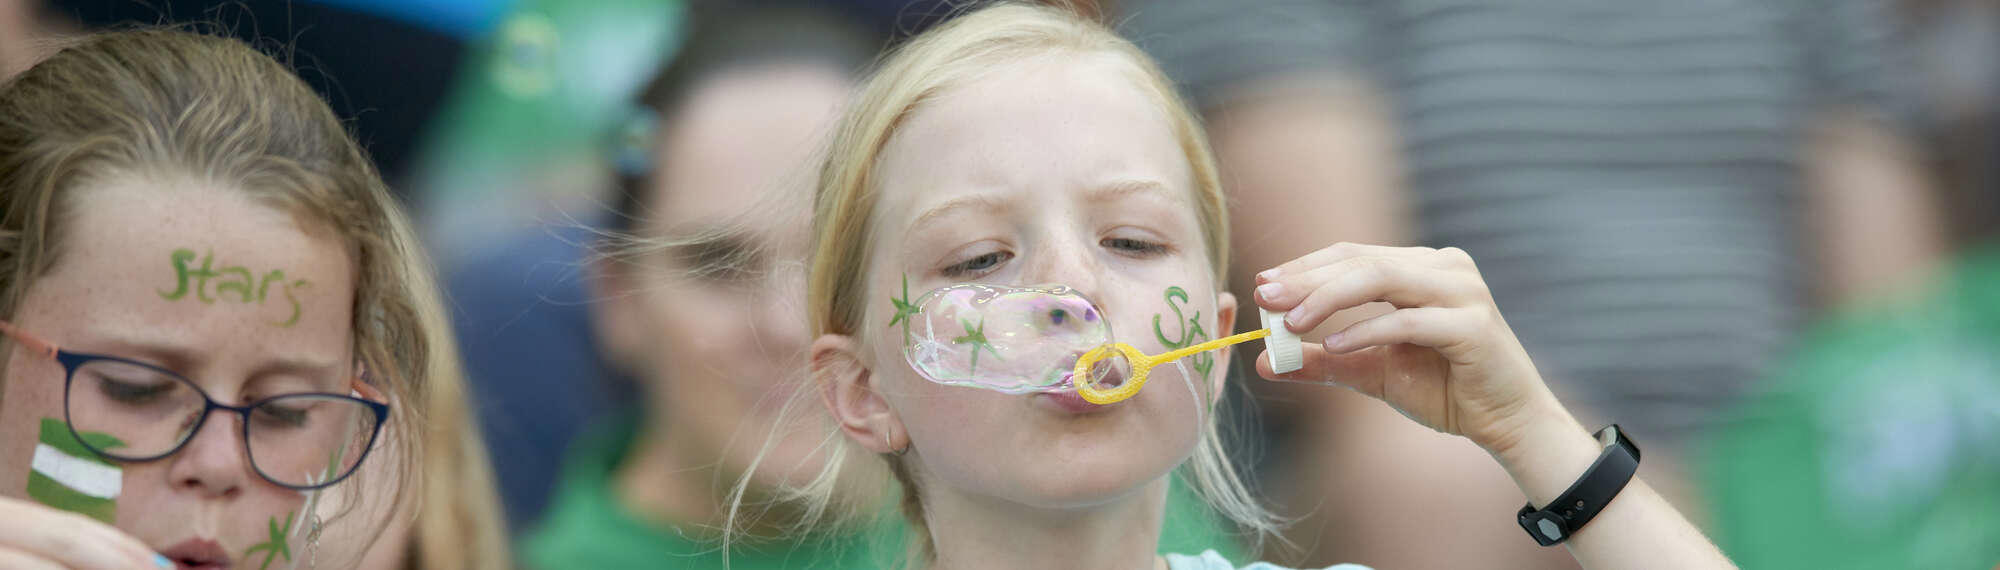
x,y
1591,492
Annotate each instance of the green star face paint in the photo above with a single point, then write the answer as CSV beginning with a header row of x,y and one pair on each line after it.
x,y
277,544
1010,339
68,476
904,309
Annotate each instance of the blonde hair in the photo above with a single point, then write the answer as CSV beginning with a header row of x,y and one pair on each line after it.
x,y
953,54
162,102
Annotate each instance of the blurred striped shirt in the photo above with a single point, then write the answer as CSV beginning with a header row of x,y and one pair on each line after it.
x,y
1627,173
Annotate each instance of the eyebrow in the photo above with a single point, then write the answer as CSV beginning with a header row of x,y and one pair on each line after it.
x,y
300,367
1121,189
1109,192
978,201
180,359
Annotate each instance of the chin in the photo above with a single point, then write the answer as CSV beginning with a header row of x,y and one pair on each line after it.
x,y
1083,481
1086,491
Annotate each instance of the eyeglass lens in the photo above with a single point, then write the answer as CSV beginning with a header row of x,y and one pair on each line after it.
x,y
299,440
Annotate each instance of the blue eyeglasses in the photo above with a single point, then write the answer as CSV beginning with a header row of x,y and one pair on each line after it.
x,y
300,441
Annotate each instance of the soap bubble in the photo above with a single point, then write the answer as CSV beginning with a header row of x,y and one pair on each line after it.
x,y
1009,339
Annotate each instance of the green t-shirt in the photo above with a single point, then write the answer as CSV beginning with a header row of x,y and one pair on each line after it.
x,y
1877,445
586,527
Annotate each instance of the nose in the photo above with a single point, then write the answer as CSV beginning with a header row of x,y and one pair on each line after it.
x,y
214,463
1069,261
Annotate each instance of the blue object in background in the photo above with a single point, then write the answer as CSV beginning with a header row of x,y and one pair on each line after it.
x,y
532,365
466,19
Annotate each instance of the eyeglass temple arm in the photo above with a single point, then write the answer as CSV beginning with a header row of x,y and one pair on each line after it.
x,y
363,389
27,340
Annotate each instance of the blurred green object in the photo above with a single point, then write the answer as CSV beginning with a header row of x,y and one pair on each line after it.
x,y
1879,444
526,129
588,527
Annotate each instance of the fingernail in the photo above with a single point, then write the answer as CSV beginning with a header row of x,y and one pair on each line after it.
x,y
1270,291
1293,316
1268,274
1332,342
162,561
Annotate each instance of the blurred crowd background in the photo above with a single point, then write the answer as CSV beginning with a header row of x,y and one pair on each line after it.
x,y
1763,235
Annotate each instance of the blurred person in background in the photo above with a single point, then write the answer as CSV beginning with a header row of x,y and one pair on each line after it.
x,y
709,324
1877,440
1737,163
1877,443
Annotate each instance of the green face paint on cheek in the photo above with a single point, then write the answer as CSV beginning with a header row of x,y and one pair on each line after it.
x,y
276,545
975,336
1191,332
905,310
232,283
69,476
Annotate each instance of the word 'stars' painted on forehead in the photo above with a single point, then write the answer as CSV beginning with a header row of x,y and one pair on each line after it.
x,y
231,283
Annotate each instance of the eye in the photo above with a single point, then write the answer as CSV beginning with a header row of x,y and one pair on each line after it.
x,y
283,415
128,388
1135,247
977,264
720,262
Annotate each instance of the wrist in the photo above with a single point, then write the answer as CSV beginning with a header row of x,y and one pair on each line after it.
x,y
1548,453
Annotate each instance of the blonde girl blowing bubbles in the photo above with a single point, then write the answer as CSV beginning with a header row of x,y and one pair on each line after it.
x,y
1025,161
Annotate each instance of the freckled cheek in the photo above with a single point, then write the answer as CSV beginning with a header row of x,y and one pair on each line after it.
x,y
947,416
32,387
1132,323
25,401
912,394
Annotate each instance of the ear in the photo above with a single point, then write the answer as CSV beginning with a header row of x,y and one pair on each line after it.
x,y
847,388
614,311
1225,313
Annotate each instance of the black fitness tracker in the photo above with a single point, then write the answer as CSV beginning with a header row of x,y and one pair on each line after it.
x,y
1591,492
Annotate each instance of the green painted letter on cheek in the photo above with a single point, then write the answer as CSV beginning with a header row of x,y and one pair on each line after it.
x,y
1191,332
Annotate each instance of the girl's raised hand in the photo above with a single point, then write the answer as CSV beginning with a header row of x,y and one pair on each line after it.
x,y
1444,357
34,536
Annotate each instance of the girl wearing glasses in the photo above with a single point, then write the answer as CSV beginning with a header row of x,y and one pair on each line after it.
x,y
220,337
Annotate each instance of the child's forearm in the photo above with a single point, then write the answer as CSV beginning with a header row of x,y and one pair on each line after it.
x,y
1638,529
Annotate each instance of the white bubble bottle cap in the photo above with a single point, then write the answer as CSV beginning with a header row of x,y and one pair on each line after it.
x,y
1285,349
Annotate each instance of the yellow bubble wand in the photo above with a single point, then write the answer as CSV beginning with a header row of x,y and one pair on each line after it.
x,y
1284,346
